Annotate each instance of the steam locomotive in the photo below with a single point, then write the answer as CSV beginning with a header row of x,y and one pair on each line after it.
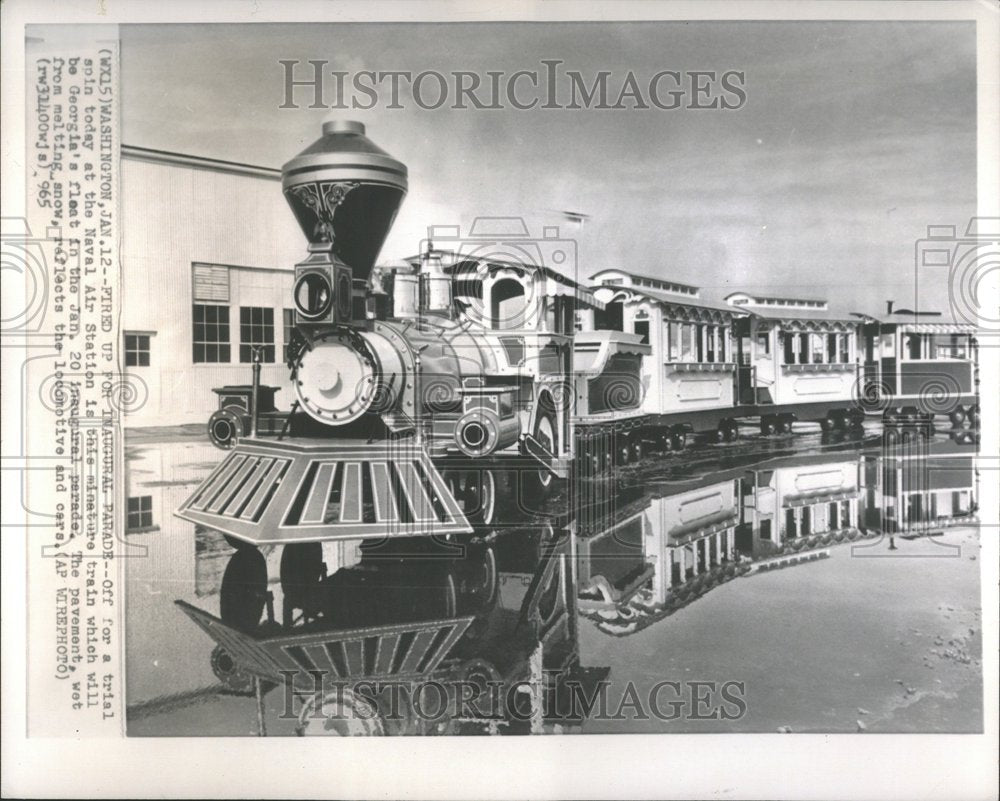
x,y
378,355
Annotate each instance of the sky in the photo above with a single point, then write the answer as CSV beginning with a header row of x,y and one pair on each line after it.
x,y
853,139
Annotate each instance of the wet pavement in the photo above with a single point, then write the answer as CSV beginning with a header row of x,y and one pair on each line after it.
x,y
799,583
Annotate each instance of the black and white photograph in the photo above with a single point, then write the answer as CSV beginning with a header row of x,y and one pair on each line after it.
x,y
443,379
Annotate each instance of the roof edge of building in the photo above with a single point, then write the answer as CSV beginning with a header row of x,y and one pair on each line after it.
x,y
154,156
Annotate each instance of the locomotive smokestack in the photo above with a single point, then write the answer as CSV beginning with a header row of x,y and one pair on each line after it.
x,y
345,191
888,306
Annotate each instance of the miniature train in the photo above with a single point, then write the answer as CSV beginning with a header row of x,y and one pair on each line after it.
x,y
484,346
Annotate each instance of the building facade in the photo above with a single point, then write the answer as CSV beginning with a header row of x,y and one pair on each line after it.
x,y
208,253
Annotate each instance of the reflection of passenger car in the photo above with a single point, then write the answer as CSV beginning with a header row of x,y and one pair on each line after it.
x,y
919,489
652,555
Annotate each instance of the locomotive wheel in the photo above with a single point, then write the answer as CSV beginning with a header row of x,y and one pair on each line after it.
x,y
229,672
244,589
481,495
606,462
479,672
729,431
548,602
677,441
785,426
637,448
623,450
828,423
840,421
487,587
720,432
301,571
545,433
341,713
663,443
957,417
767,426
857,420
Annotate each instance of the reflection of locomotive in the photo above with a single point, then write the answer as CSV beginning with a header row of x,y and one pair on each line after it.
x,y
497,611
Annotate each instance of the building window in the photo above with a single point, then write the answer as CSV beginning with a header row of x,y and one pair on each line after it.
x,y
764,343
641,327
818,349
256,330
610,318
288,330
688,334
136,350
803,348
953,346
674,337
788,347
913,344
791,523
211,333
140,513
805,521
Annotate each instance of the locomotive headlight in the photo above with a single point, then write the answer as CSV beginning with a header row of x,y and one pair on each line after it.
x,y
313,295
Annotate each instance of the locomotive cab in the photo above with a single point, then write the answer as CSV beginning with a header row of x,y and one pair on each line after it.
x,y
511,327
